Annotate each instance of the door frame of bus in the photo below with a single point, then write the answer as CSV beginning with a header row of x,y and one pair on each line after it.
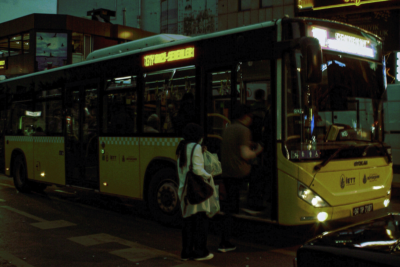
x,y
81,180
3,103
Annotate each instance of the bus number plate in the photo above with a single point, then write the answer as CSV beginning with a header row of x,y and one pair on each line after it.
x,y
362,209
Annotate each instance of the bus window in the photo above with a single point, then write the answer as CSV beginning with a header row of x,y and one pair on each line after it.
x,y
293,102
21,121
169,100
219,112
48,113
119,101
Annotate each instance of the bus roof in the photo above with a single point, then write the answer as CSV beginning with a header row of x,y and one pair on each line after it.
x,y
166,40
134,45
163,40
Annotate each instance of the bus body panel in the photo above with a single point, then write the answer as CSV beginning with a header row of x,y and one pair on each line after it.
x,y
342,187
24,144
345,211
151,148
119,166
49,159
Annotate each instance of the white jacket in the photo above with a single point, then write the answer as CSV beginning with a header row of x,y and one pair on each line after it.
x,y
198,168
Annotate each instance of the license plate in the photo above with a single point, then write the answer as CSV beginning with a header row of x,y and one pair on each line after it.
x,y
362,209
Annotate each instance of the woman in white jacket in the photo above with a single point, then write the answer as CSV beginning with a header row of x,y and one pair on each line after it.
x,y
195,219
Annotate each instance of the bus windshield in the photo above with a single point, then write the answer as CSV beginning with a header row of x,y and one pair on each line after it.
x,y
344,109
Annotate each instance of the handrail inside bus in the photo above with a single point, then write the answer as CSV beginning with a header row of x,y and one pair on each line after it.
x,y
214,136
219,115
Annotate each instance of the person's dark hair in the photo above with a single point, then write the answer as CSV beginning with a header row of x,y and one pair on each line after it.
x,y
241,110
259,94
192,133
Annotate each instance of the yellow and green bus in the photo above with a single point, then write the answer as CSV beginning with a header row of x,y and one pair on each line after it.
x,y
112,123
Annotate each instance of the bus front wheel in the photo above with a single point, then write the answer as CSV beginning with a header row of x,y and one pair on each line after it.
x,y
20,176
163,197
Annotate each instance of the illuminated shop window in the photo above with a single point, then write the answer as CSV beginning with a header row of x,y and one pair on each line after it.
x,y
15,45
4,47
26,44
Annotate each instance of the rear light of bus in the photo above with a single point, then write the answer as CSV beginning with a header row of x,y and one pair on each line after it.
x,y
310,196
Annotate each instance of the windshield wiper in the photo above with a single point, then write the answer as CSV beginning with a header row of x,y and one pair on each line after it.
x,y
323,163
382,147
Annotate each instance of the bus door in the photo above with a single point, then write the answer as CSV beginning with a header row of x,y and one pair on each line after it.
x,y
248,83
3,118
81,145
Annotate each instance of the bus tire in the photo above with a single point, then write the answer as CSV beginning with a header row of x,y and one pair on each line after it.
x,y
163,197
20,175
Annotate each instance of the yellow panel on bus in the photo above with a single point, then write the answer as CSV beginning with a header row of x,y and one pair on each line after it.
x,y
151,148
119,166
49,159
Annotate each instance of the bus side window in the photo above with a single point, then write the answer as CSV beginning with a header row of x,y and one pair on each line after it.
x,y
169,100
47,115
120,106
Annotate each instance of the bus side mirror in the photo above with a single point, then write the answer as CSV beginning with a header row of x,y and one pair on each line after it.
x,y
312,59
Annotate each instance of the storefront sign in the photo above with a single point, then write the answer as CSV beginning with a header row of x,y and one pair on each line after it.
x,y
161,58
339,41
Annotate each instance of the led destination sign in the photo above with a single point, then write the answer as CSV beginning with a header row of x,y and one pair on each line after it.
x,y
323,4
169,56
343,42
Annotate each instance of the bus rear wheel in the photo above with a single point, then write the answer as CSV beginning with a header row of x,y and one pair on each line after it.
x,y
163,197
20,175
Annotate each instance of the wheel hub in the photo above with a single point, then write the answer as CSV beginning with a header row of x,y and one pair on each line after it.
x,y
167,197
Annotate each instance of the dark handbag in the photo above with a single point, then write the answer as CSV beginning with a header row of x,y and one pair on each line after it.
x,y
197,190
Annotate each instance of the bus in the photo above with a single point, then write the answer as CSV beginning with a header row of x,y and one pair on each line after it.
x,y
112,123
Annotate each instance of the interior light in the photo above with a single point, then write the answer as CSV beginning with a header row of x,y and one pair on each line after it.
x,y
42,174
322,216
105,184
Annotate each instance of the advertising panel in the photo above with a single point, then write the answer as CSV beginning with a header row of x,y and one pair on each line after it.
x,y
51,50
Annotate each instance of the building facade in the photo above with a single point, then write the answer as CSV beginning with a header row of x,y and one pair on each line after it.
x,y
41,41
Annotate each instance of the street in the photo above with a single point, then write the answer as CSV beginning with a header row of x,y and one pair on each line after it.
x,y
70,227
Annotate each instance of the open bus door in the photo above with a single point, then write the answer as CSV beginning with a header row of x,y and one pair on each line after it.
x,y
81,138
227,89
3,119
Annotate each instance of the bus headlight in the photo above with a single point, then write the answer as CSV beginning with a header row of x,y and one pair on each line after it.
x,y
310,196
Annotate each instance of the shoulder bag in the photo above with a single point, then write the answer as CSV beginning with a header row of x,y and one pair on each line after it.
x,y
197,190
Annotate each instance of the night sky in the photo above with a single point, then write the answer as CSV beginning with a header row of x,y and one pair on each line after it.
x,y
12,9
